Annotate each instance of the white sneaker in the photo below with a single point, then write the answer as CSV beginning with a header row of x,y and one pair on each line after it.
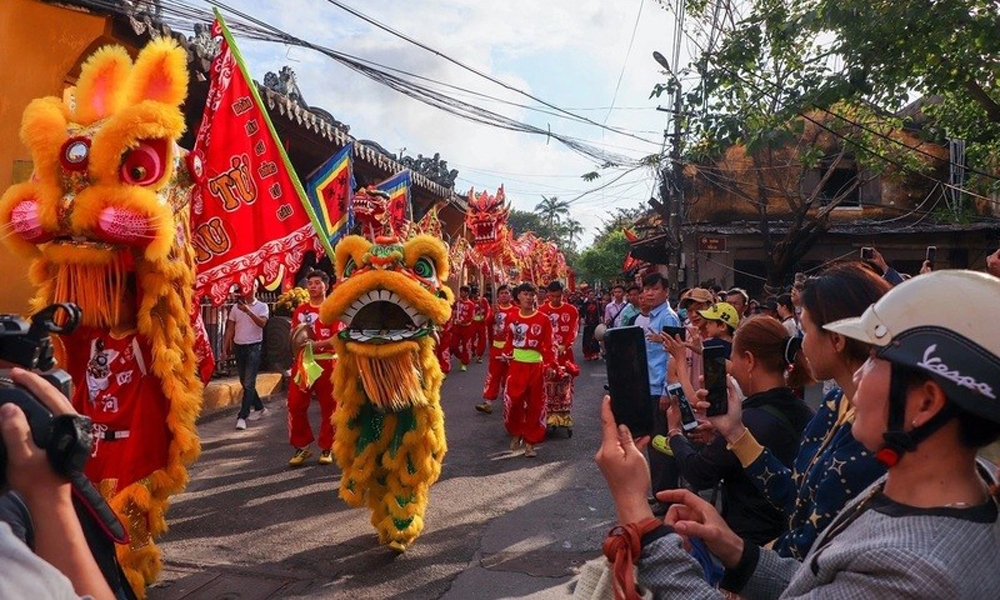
x,y
241,424
258,414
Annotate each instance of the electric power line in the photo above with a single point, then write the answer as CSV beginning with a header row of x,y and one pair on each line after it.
x,y
628,53
454,61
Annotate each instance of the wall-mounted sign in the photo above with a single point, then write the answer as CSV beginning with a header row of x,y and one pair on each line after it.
x,y
711,243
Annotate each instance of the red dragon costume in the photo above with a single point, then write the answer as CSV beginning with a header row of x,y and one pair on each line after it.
x,y
533,259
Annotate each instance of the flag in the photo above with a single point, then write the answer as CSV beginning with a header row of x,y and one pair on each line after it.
x,y
399,211
330,197
630,261
430,223
249,214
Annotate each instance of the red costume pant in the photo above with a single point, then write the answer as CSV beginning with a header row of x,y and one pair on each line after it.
x,y
559,388
300,432
524,402
479,338
443,349
461,343
496,375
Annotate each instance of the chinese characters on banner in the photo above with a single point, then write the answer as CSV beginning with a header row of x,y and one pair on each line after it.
x,y
249,215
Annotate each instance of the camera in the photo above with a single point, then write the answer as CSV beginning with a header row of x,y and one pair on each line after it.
x,y
66,439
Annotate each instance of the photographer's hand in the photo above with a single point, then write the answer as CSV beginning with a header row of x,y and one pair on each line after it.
x,y
28,469
691,516
879,261
624,468
730,425
59,538
993,264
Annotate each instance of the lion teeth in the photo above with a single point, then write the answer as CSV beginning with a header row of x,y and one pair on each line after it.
x,y
419,320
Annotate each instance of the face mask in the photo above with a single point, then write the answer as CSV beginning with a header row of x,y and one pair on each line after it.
x,y
683,314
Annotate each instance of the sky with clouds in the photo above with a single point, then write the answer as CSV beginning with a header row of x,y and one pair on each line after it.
x,y
568,52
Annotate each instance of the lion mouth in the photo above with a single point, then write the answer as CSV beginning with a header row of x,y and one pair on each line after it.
x,y
364,205
383,316
79,241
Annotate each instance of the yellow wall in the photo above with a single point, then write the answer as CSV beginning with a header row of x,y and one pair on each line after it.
x,y
39,45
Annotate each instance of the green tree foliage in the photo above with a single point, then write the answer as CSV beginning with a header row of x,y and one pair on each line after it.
x,y
523,221
603,260
766,81
621,218
947,50
552,211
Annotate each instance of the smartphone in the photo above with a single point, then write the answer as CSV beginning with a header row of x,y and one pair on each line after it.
x,y
931,254
867,253
628,379
688,420
714,358
672,331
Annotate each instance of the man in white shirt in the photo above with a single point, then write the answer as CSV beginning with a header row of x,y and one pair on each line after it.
x,y
245,336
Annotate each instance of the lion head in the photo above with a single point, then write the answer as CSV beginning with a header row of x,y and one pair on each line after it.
x,y
105,208
370,205
392,300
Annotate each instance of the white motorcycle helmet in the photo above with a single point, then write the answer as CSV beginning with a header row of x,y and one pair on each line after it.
x,y
945,324
599,332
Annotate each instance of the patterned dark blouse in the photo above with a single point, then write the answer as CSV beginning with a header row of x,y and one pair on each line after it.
x,y
831,468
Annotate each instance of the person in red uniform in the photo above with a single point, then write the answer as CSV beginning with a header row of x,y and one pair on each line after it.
x,y
496,375
115,386
528,347
126,402
443,347
312,374
480,324
559,381
461,329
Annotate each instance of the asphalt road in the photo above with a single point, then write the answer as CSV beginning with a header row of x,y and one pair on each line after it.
x,y
498,525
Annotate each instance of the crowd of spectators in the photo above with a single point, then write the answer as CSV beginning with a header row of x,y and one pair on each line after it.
x,y
875,493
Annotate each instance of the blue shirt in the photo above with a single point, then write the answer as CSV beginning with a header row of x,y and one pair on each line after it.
x,y
656,356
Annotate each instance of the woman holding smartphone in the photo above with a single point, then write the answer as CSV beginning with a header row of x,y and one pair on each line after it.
x,y
761,357
831,466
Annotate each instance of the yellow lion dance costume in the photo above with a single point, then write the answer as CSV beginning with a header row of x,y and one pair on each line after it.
x,y
389,439
105,214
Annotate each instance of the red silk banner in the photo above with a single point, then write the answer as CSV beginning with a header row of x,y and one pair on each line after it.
x,y
248,217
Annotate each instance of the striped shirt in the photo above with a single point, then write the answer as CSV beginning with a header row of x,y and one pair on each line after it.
x,y
876,548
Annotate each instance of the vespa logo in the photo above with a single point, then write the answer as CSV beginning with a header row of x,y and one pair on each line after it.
x,y
936,366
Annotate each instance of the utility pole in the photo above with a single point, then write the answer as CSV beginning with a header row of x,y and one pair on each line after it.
x,y
676,198
671,178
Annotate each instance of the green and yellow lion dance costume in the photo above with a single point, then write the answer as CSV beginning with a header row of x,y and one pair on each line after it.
x,y
390,438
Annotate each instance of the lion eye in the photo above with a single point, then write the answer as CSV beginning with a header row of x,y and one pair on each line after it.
x,y
350,267
144,164
75,154
424,268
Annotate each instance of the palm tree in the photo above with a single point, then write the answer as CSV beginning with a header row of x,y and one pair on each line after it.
x,y
551,211
572,230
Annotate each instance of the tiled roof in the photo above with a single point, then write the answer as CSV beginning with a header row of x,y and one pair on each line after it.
x,y
852,228
144,24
